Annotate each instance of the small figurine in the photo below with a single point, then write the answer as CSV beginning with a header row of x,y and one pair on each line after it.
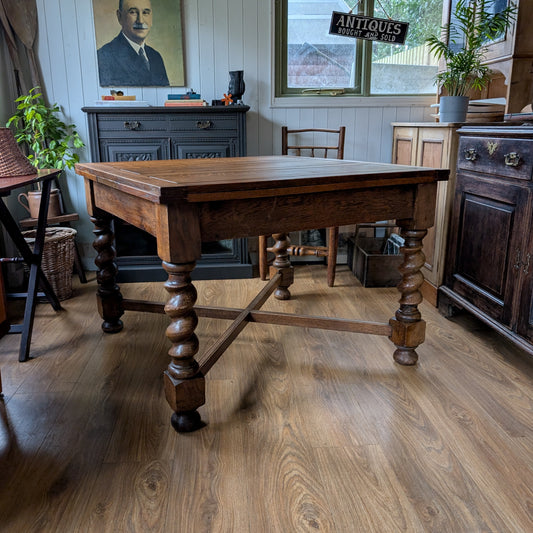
x,y
227,99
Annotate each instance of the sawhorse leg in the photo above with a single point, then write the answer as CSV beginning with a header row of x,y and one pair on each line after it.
x,y
33,260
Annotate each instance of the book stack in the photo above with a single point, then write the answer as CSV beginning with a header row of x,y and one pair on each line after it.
x,y
486,110
121,100
190,99
113,97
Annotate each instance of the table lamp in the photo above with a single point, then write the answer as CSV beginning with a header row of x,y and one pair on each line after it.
x,y
12,161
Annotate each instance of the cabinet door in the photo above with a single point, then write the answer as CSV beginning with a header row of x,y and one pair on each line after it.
x,y
486,250
134,150
432,151
404,145
200,150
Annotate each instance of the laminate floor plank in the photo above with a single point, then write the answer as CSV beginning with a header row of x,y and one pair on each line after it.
x,y
381,506
307,430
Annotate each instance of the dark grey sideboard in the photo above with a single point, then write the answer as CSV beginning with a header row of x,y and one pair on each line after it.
x,y
147,133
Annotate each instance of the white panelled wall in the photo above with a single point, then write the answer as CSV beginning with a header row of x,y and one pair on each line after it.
x,y
219,36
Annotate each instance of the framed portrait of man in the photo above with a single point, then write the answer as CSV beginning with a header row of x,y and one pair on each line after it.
x,y
139,43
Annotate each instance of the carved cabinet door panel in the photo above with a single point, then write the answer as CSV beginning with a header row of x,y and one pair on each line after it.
x,y
486,251
147,150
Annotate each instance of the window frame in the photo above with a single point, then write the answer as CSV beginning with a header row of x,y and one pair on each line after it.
x,y
285,97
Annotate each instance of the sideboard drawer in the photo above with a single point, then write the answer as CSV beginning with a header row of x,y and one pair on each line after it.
x,y
508,158
131,122
203,122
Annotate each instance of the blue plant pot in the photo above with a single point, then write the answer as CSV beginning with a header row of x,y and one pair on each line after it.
x,y
453,108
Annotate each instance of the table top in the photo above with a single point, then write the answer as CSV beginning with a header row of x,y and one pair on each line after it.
x,y
198,180
10,183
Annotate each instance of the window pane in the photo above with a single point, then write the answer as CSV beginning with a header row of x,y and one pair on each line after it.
x,y
316,59
310,58
409,68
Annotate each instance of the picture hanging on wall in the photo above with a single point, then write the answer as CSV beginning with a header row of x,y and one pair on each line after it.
x,y
139,43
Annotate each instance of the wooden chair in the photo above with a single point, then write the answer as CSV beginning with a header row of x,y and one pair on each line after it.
x,y
311,149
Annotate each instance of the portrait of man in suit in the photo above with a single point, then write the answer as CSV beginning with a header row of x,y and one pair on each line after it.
x,y
127,59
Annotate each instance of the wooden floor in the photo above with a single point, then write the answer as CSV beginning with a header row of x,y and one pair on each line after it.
x,y
308,430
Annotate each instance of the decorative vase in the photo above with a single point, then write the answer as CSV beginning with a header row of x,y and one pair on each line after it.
x,y
32,201
453,108
236,85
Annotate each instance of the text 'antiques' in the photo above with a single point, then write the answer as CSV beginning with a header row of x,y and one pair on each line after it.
x,y
369,28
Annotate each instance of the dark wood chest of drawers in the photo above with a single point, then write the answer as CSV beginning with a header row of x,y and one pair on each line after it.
x,y
489,266
150,133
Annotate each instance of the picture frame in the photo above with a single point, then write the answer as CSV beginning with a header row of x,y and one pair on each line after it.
x,y
164,39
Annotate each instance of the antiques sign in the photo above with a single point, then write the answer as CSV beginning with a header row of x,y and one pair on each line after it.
x,y
369,28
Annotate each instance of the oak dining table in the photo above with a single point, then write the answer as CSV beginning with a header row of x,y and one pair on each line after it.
x,y
186,202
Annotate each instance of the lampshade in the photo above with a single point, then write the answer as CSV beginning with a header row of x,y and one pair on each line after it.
x,y
12,161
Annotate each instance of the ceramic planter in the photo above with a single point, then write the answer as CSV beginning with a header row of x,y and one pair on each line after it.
x,y
453,108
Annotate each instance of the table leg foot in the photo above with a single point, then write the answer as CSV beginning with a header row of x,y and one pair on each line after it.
x,y
282,264
112,327
405,356
108,295
187,421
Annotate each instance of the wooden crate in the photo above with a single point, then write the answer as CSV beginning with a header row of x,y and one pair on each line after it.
x,y
370,266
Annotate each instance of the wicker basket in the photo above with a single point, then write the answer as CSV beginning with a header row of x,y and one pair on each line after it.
x,y
58,258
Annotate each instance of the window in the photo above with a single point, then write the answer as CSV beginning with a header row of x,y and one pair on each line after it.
x,y
310,61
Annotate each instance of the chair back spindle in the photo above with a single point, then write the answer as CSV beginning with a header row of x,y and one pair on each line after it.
x,y
305,146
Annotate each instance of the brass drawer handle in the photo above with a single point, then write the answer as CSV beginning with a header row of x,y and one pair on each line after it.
x,y
204,124
512,159
470,154
133,125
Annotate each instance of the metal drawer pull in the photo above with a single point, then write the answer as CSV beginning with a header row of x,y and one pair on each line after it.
x,y
470,154
512,160
132,125
204,124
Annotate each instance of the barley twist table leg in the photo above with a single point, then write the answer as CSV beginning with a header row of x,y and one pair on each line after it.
x,y
408,329
184,383
108,294
283,265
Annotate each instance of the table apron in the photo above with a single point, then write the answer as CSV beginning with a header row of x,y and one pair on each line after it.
x,y
180,227
263,216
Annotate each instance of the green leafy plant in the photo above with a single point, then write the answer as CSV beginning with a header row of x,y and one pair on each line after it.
x,y
463,44
51,142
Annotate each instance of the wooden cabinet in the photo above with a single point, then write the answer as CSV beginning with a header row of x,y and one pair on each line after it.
x,y
510,58
150,133
489,269
430,145
4,325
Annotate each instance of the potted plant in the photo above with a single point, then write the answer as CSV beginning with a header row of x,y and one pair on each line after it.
x,y
50,142
463,45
